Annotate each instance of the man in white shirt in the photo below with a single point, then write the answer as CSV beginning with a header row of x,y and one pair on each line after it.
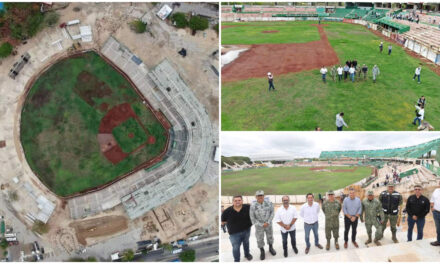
x,y
435,208
420,114
340,71
352,72
286,217
340,123
323,72
417,74
309,212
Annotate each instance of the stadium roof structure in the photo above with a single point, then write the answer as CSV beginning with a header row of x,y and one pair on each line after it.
x,y
396,26
417,151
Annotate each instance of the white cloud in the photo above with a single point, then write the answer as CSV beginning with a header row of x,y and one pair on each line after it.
x,y
310,144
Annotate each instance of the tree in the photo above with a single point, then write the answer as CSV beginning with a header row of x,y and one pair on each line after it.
x,y
167,247
5,50
40,227
13,196
188,255
128,255
215,27
92,259
4,243
51,18
179,20
198,23
138,26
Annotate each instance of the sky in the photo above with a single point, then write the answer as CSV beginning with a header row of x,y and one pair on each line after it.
x,y
310,144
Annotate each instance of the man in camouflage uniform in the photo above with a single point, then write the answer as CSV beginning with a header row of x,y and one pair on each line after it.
x,y
372,209
262,213
391,201
331,209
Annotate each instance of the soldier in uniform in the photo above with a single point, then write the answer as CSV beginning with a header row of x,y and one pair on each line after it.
x,y
331,209
374,216
390,200
262,213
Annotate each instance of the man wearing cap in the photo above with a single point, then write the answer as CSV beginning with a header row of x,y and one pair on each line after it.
x,y
417,207
270,79
262,214
352,207
286,217
374,216
435,208
331,209
390,200
309,212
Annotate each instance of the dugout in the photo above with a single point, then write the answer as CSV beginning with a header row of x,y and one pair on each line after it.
x,y
392,26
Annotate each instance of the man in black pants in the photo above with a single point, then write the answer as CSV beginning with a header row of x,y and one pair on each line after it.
x,y
238,221
417,207
352,208
270,80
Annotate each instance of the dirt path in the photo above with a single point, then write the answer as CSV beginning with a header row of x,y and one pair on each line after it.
x,y
281,58
102,226
413,54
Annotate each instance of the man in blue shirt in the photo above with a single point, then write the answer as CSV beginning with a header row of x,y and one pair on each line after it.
x,y
352,208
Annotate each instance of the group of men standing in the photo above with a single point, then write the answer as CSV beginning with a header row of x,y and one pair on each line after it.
x,y
374,212
349,70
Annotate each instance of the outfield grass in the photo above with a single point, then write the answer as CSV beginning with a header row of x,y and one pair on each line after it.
x,y
303,102
289,180
123,132
252,33
59,127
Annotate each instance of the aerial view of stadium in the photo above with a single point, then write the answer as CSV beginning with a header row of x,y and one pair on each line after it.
x,y
289,168
296,66
109,131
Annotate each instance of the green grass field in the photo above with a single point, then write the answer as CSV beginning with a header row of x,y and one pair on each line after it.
x,y
60,121
289,180
303,102
252,33
129,135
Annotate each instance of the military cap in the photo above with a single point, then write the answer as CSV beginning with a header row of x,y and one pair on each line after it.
x,y
259,192
390,184
370,192
331,192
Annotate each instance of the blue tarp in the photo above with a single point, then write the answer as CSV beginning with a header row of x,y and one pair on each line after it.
x,y
1,6
136,60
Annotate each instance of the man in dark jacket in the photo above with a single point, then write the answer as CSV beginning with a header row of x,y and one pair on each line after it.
x,y
417,207
238,221
391,201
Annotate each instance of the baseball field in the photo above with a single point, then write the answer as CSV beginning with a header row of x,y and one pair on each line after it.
x,y
294,52
291,180
83,125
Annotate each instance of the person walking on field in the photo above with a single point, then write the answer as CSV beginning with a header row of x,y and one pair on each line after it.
x,y
352,72
340,123
381,46
373,215
420,114
391,201
323,73
286,217
417,74
390,48
333,72
238,221
375,72
331,209
352,208
309,212
346,70
270,79
364,71
417,207
340,71
261,213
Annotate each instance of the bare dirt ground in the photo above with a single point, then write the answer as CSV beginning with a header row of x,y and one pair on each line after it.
x,y
281,59
96,227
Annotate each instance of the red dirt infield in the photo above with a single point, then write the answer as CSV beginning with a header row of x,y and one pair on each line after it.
x,y
281,58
